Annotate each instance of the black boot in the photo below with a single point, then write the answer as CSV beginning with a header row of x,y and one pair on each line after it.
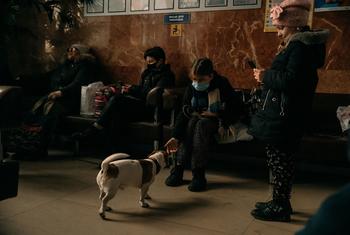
x,y
262,205
199,182
176,176
276,210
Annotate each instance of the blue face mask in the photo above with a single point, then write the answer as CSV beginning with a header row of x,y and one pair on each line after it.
x,y
200,86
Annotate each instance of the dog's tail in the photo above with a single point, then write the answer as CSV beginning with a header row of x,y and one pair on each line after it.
x,y
113,157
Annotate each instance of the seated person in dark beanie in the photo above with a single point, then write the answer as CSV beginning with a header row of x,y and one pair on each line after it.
x,y
131,103
62,87
209,103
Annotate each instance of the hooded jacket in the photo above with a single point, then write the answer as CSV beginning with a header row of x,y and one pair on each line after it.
x,y
288,88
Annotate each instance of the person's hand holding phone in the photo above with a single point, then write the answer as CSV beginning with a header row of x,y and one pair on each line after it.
x,y
126,88
258,73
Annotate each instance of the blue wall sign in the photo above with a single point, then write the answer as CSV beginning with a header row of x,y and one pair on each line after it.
x,y
180,18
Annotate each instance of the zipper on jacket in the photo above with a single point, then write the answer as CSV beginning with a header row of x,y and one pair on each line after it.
x,y
282,104
267,96
282,113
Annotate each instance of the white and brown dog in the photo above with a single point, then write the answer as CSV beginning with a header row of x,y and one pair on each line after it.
x,y
117,172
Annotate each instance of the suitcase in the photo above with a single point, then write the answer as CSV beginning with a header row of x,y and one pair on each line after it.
x,y
9,171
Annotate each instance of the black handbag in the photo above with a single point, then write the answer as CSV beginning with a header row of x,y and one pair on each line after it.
x,y
9,171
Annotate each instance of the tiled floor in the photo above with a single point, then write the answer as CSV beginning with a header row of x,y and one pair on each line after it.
x,y
60,197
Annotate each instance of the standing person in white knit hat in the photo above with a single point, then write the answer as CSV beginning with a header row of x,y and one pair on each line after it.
x,y
288,89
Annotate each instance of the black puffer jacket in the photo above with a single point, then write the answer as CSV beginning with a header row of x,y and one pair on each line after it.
x,y
150,78
229,99
288,89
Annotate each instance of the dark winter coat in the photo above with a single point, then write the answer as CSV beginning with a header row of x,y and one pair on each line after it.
x,y
70,76
230,104
288,89
150,78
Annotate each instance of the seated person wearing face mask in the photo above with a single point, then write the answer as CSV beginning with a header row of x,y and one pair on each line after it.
x,y
131,104
207,102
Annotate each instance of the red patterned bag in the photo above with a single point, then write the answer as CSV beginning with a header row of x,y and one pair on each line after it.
x,y
103,95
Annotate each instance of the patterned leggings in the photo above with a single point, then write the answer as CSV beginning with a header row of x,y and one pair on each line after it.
x,y
281,164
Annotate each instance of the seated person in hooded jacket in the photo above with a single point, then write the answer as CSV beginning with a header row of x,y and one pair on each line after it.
x,y
131,103
62,88
209,103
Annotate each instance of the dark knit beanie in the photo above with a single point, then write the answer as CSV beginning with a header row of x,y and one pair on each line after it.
x,y
155,52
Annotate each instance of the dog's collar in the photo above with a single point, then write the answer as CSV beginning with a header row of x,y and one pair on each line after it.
x,y
157,165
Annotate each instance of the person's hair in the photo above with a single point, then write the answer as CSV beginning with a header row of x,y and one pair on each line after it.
x,y
202,66
155,52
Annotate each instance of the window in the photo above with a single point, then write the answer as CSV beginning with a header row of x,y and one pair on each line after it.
x,y
133,7
183,4
139,5
96,7
163,4
116,6
215,3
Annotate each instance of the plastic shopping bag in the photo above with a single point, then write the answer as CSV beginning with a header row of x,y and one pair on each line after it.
x,y
87,102
343,114
234,133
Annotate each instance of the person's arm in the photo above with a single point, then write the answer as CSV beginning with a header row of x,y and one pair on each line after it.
x,y
181,121
81,78
166,81
136,90
285,79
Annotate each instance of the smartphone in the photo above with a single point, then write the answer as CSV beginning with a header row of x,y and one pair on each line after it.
x,y
252,64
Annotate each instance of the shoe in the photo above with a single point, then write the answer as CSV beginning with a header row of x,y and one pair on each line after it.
x,y
262,205
199,182
274,211
176,176
86,134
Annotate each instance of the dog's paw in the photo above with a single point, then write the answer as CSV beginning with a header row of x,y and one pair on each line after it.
x,y
109,208
144,204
